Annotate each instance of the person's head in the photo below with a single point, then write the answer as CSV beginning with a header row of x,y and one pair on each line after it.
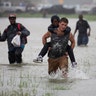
x,y
80,17
55,20
12,18
63,23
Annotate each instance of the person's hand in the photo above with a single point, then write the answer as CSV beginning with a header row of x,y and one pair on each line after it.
x,y
19,33
89,34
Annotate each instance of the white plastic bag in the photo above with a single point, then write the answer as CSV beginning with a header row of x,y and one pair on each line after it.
x,y
16,41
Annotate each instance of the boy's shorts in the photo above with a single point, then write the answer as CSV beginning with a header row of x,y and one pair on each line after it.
x,y
54,64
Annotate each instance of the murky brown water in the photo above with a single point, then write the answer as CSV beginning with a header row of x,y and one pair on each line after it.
x,y
32,79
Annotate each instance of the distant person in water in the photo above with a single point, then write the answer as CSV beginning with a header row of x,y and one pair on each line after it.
x,y
83,31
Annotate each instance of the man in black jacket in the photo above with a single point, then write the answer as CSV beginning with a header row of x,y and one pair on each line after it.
x,y
14,53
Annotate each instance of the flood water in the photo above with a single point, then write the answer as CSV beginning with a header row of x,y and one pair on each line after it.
x,y
30,79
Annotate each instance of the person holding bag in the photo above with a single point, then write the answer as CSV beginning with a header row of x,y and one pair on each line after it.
x,y
13,30
16,41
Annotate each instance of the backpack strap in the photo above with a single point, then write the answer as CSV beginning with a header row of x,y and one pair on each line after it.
x,y
19,26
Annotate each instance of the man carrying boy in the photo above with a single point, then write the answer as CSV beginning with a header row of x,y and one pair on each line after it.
x,y
57,53
54,24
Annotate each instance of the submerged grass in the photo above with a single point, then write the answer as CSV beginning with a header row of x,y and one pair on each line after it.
x,y
20,82
24,82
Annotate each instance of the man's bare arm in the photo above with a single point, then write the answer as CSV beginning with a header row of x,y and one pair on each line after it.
x,y
45,36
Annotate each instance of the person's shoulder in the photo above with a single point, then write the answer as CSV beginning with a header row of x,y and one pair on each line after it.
x,y
78,21
18,24
51,28
84,20
8,26
48,33
67,30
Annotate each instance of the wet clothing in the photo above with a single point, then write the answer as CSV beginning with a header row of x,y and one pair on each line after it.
x,y
82,39
11,31
57,53
58,45
69,50
44,50
70,53
82,26
51,28
15,55
8,34
54,64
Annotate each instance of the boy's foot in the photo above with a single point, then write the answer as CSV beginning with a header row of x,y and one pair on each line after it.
x,y
39,59
74,64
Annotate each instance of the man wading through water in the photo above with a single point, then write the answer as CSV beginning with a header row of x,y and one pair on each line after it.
x,y
14,53
54,24
57,57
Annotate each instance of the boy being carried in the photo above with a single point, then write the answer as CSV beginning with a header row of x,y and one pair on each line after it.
x,y
54,24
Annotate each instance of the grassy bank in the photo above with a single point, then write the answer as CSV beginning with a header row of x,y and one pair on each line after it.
x,y
91,17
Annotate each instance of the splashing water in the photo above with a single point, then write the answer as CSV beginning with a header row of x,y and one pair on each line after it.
x,y
74,73
58,75
77,73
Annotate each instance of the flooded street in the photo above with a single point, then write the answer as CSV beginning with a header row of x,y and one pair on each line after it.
x,y
30,79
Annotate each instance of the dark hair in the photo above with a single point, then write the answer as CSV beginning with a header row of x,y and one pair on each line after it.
x,y
80,16
55,17
64,19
